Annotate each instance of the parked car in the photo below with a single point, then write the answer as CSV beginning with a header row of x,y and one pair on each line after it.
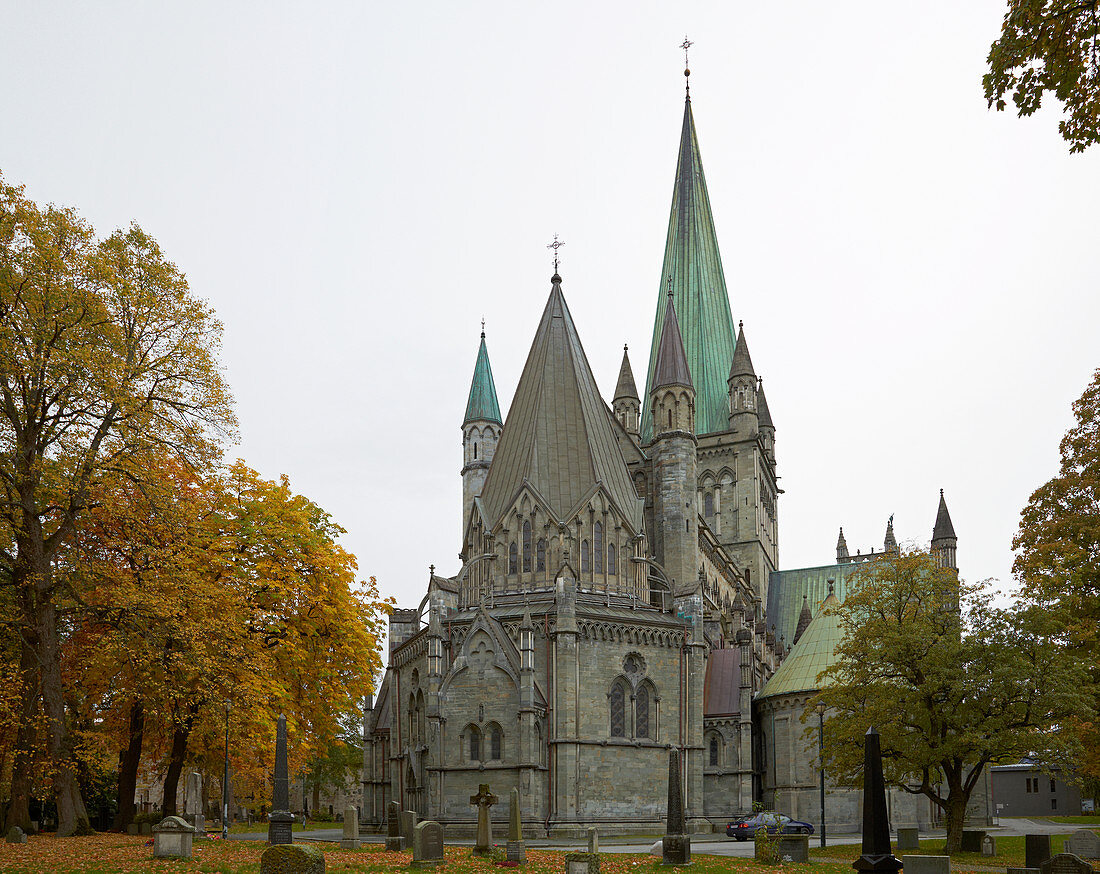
x,y
745,827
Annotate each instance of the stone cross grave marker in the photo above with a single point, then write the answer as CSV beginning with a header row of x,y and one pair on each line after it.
x,y
1065,863
427,844
516,850
484,800
1083,843
394,842
349,840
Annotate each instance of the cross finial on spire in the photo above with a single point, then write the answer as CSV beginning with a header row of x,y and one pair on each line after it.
x,y
685,45
557,244
483,327
670,285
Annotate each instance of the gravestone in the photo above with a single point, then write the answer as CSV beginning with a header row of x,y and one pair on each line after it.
x,y
394,842
1083,843
796,848
173,838
1065,863
192,803
594,840
350,839
1022,871
972,840
133,829
16,835
292,859
146,828
926,864
1036,850
676,846
989,846
280,822
408,820
484,800
585,863
516,850
877,856
908,839
427,844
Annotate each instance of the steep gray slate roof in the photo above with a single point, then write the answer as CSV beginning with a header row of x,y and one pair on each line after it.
x,y
763,414
625,387
557,436
944,529
671,367
742,361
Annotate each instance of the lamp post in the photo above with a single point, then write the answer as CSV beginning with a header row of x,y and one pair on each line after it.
x,y
820,707
225,779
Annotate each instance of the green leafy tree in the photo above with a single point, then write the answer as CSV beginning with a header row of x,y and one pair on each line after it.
x,y
1050,46
1058,553
951,683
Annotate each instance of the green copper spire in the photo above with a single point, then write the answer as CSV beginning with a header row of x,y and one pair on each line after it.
x,y
693,263
482,405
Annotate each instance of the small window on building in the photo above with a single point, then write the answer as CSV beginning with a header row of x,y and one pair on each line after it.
x,y
618,710
1053,786
1054,804
475,450
708,505
586,557
714,752
526,546
513,561
641,715
475,745
597,538
496,741
540,556
670,418
611,562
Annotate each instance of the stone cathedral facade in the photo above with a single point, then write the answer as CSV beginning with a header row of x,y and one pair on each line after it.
x,y
620,592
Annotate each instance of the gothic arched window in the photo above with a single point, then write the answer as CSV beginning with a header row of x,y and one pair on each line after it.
x,y
586,557
540,556
512,558
708,504
597,538
527,546
475,450
714,751
617,707
496,743
611,562
641,712
475,743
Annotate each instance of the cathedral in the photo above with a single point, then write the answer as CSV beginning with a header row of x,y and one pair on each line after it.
x,y
620,592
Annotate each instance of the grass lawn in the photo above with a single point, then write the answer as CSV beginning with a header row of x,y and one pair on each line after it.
x,y
1010,852
109,853
1091,819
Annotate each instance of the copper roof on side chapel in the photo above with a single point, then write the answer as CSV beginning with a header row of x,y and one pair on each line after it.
x,y
693,262
558,436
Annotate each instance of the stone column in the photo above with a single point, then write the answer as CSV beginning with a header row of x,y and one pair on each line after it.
x,y
676,846
280,829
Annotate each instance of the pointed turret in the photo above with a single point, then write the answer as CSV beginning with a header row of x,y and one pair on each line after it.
x,y
672,397
481,429
741,390
890,544
558,439
944,541
694,265
767,427
805,617
841,548
626,404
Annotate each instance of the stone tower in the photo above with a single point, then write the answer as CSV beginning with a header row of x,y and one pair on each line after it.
x,y
672,401
481,427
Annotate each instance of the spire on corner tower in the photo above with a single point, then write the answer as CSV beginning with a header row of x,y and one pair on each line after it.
x,y
944,541
741,389
481,429
672,397
626,404
841,548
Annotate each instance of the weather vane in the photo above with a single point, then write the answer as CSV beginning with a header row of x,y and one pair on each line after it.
x,y
670,285
557,244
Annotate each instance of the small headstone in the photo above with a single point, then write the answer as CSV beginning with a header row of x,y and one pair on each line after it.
x,y
146,828
796,848
908,839
350,838
989,846
516,849
1083,843
292,859
173,838
1065,863
427,844
133,829
676,846
16,835
657,849
484,799
926,864
972,840
1036,850
408,821
593,840
394,842
582,863
1022,871
192,797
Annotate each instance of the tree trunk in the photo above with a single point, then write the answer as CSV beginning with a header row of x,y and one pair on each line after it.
x,y
128,761
22,772
180,734
954,817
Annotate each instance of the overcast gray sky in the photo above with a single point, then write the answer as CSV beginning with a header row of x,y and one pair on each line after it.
x,y
354,185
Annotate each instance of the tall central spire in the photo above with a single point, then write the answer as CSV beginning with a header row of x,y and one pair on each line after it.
x,y
693,261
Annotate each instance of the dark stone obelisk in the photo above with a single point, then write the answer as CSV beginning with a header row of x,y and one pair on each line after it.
x,y
280,828
877,856
676,846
